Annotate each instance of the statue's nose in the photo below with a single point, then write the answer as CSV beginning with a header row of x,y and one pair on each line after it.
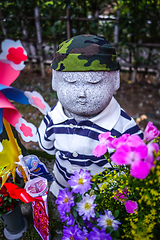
x,y
82,93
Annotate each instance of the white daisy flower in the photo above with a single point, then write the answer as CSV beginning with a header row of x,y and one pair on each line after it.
x,y
108,220
86,207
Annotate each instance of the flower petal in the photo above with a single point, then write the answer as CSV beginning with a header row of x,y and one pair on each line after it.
x,y
131,206
150,132
140,169
100,150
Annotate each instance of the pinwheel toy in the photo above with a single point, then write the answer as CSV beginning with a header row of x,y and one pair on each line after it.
x,y
12,60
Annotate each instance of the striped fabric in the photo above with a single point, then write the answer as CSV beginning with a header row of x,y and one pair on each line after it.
x,y
73,142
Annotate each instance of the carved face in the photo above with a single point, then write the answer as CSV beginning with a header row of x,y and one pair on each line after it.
x,y
85,93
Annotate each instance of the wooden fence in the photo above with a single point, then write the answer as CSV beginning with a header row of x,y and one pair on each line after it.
x,y
132,57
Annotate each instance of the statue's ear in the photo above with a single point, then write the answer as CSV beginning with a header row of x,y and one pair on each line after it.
x,y
54,81
116,80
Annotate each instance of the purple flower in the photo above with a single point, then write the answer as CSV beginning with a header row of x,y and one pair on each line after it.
x,y
64,200
88,224
71,233
104,142
97,234
80,182
68,218
83,235
131,207
107,220
86,207
150,132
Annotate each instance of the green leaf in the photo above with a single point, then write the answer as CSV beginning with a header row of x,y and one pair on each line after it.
x,y
109,229
97,214
80,221
79,198
74,212
115,234
116,213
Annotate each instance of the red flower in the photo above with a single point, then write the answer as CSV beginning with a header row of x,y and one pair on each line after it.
x,y
6,202
16,55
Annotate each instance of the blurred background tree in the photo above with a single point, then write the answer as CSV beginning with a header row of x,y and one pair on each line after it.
x,y
139,21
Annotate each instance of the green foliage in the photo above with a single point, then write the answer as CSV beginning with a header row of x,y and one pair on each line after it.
x,y
139,21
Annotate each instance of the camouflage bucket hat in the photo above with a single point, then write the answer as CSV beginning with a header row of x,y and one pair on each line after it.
x,y
85,53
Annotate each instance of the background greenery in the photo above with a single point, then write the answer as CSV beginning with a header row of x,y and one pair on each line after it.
x,y
139,20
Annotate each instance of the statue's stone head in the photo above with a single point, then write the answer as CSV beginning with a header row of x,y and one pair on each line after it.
x,y
85,75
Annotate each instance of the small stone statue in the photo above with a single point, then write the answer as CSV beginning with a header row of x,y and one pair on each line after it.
x,y
85,76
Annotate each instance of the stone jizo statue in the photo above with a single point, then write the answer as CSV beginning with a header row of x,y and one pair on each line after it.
x,y
85,77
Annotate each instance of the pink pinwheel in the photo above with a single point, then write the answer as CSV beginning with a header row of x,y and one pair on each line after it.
x,y
11,60
11,63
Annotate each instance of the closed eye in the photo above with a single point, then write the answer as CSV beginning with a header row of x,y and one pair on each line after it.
x,y
69,80
94,81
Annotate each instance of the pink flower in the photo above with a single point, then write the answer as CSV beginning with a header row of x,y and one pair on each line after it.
x,y
125,155
140,169
117,142
150,132
131,207
104,142
152,147
121,196
134,141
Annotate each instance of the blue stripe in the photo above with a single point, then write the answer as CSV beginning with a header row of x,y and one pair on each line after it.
x,y
40,142
125,115
82,160
116,133
133,130
63,171
141,135
59,184
53,107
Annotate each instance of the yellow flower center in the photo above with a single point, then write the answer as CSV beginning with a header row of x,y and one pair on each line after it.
x,y
66,199
80,181
87,206
109,222
72,238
